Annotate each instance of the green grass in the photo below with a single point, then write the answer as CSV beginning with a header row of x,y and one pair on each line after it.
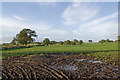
x,y
105,56
0,77
32,44
84,48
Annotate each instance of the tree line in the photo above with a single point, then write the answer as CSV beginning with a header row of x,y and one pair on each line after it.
x,y
26,36
46,41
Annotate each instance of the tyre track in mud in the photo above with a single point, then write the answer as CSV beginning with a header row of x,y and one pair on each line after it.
x,y
59,73
49,67
24,70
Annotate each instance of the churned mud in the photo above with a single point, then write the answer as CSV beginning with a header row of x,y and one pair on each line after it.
x,y
57,66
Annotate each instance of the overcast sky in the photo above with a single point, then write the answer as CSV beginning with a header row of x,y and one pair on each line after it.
x,y
61,20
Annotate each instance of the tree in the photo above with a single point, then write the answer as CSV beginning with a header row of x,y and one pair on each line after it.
x,y
80,42
25,37
119,37
46,41
89,41
116,41
14,41
75,41
111,41
72,43
66,42
61,42
102,41
107,40
53,42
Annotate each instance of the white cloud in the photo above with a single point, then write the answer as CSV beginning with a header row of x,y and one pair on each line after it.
x,y
79,12
9,24
13,27
99,21
104,27
57,31
43,28
18,17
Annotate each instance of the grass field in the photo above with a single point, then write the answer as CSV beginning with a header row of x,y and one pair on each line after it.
x,y
105,56
101,61
84,48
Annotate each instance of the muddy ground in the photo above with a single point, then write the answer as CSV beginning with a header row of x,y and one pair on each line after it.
x,y
58,66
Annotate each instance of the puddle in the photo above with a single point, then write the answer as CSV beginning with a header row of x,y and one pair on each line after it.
x,y
80,60
115,69
97,72
72,68
67,67
96,61
88,61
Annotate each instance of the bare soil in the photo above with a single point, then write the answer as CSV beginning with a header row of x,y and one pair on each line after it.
x,y
57,66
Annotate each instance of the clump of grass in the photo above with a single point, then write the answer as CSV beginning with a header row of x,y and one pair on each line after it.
x,y
88,54
3,64
29,59
41,54
104,56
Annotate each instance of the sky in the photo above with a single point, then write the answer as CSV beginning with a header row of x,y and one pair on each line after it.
x,y
61,21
